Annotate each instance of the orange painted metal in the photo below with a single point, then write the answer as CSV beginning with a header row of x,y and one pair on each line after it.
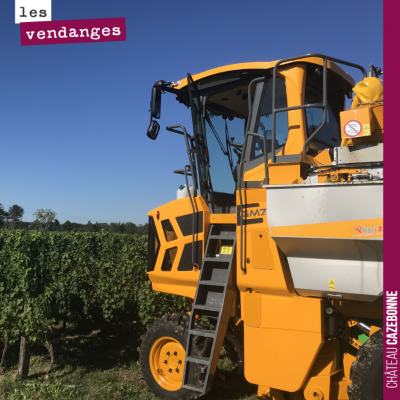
x,y
285,348
263,65
181,283
355,229
288,326
166,360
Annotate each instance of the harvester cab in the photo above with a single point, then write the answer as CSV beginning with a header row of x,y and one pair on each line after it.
x,y
278,240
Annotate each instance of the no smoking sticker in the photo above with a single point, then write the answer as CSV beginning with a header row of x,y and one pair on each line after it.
x,y
352,128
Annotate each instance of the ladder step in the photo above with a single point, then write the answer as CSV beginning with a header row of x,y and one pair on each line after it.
x,y
202,332
223,237
194,388
198,360
218,259
209,301
212,283
205,308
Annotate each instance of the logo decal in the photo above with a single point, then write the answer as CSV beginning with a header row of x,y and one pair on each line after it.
x,y
250,211
257,213
366,231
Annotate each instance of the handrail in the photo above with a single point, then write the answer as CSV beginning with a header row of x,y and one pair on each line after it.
x,y
185,172
375,70
240,186
172,128
324,106
324,103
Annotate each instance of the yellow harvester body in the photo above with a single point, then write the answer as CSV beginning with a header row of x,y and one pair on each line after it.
x,y
308,225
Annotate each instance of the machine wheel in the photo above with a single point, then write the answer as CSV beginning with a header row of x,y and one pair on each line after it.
x,y
162,355
235,352
366,373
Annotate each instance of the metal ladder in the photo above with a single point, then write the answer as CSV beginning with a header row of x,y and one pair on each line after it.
x,y
213,299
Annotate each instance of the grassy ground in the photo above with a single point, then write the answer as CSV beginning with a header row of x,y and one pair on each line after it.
x,y
95,364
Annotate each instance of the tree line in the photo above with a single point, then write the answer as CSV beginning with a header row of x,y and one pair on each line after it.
x,y
45,220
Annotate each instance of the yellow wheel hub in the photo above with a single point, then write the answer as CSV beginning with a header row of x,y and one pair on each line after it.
x,y
167,360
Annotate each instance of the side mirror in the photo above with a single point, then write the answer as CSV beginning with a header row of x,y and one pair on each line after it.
x,y
153,130
155,103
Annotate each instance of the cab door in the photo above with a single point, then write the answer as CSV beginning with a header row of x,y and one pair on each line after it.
x,y
278,324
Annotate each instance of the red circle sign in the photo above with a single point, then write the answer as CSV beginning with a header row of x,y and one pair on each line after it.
x,y
352,128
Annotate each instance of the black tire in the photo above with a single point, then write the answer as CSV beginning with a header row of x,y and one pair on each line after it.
x,y
235,352
174,326
366,373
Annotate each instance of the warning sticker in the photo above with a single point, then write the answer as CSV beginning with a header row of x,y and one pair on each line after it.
x,y
226,250
352,128
366,130
331,284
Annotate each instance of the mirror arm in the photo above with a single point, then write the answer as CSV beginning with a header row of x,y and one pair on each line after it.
x,y
178,92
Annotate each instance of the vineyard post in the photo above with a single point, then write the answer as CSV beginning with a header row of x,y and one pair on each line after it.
x,y
24,358
3,356
49,348
24,355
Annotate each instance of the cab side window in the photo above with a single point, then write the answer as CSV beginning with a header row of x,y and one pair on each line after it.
x,y
264,121
329,136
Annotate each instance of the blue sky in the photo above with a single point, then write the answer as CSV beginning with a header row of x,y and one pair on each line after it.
x,y
73,117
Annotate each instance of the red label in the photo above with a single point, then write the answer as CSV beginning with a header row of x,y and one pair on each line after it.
x,y
352,128
73,31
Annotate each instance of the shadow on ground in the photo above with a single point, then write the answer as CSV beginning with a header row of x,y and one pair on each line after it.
x,y
85,349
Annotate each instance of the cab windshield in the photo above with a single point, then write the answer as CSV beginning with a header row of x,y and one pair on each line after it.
x,y
225,122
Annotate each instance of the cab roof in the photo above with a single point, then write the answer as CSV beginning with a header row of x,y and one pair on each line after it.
x,y
263,65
